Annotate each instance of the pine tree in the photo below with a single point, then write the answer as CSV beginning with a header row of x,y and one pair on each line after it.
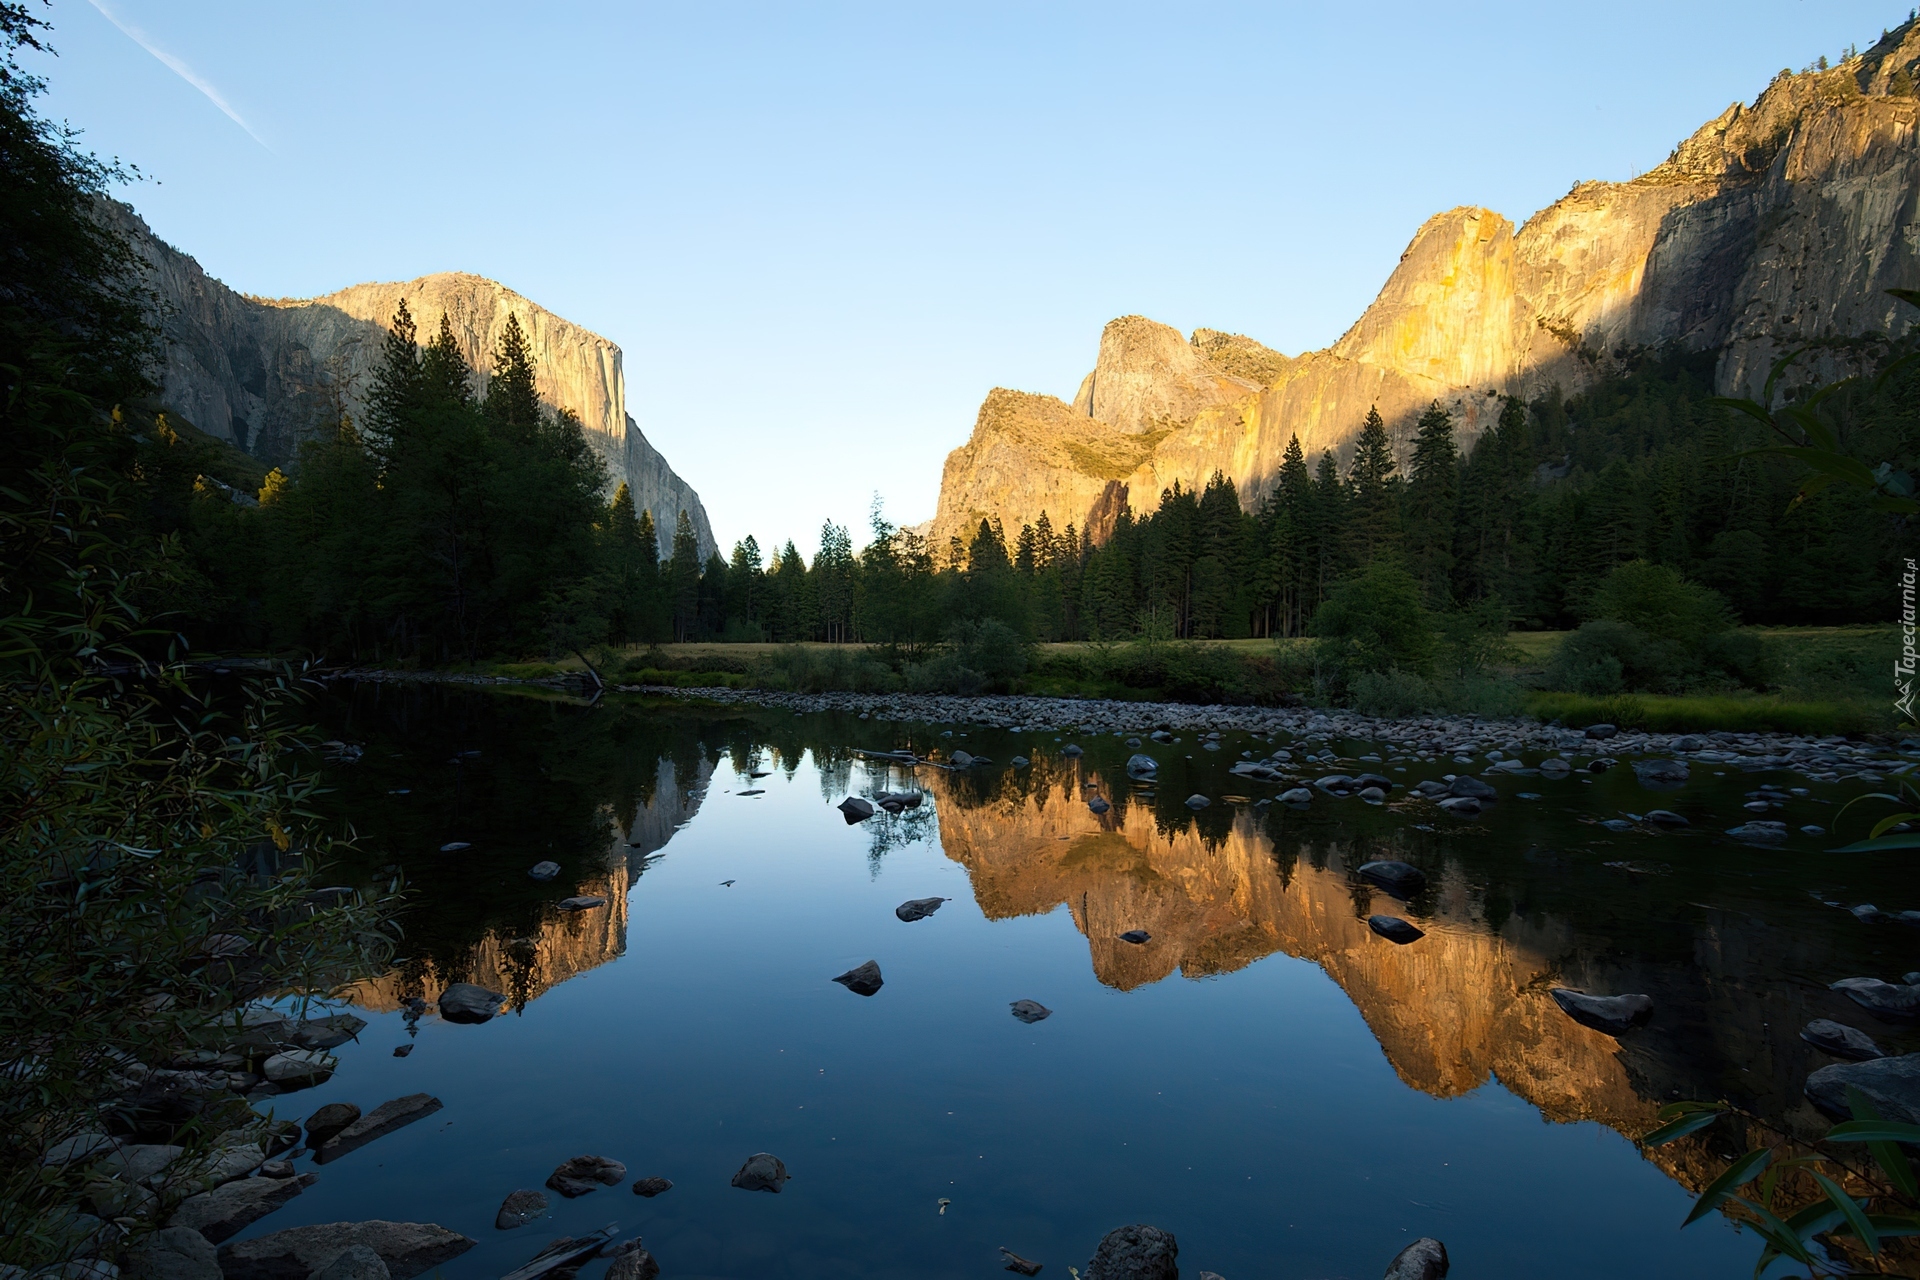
x,y
683,574
1296,540
1432,506
1374,525
513,405
397,388
1330,508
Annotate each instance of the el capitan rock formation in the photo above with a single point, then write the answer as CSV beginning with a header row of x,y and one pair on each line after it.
x,y
1772,224
265,373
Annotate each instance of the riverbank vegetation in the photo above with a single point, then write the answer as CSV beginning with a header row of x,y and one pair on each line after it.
x,y
155,842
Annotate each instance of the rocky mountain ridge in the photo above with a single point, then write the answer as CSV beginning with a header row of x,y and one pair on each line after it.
x,y
1771,225
265,373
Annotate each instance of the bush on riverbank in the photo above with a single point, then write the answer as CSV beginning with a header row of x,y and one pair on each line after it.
x,y
1705,713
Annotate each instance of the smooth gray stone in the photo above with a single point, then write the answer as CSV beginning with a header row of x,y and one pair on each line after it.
x,y
1892,1085
141,1161
1661,771
1611,1014
378,1123
1424,1259
1760,832
584,902
1335,782
1892,1001
1601,730
960,760
299,1068
1030,1011
1666,818
172,1253
329,1120
329,1032
863,979
854,809
1071,750
917,908
763,1171
576,1177
1137,1252
1136,936
519,1208
1461,806
82,1147
1841,1040
1375,794
1298,795
1472,788
1394,929
544,871
1099,805
1197,802
1142,766
232,1206
356,1262
1397,878
466,1003
408,1248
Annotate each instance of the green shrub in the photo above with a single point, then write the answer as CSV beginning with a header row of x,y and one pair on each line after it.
x,y
1652,631
827,669
1394,692
1372,622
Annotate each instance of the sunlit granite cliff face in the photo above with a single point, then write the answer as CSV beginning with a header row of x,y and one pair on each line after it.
x,y
1774,223
264,373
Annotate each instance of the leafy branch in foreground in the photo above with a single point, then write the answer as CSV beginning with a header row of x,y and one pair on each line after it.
x,y
1878,839
1806,436
1834,1212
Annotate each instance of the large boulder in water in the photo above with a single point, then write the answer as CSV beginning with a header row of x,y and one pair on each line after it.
x,y
917,908
1841,1041
1424,1259
408,1248
1611,1014
1142,766
763,1171
1138,1252
1889,1001
854,809
863,979
1394,929
1397,878
465,1002
1892,1085
1472,789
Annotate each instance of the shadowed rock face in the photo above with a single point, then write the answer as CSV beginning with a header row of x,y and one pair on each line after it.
x,y
1773,223
265,373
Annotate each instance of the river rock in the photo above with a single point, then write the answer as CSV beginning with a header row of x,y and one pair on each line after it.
x,y
356,1262
1611,1014
1019,762
918,908
1602,731
1666,818
651,1187
1891,1084
1397,878
329,1032
1461,806
518,1209
467,1003
278,1169
1890,1001
1013,1262
863,979
1394,929
1472,788
1142,766
1071,749
1137,937
1030,1011
1759,832
172,1253
854,809
584,902
1424,1259
1138,1252
1098,805
634,1264
763,1171
1296,795
960,759
1373,795
543,871
407,1249
1841,1040
1197,802
329,1120
378,1123
1661,772
578,1176
231,1206
299,1068
1555,767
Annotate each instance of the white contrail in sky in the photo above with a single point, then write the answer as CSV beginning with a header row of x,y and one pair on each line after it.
x,y
178,67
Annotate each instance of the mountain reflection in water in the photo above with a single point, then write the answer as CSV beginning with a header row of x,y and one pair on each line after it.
x,y
1734,945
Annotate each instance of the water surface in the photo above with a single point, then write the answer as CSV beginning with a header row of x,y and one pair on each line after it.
x,y
1287,1093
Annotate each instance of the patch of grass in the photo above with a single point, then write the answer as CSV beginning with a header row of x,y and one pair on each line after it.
x,y
524,670
1707,713
684,679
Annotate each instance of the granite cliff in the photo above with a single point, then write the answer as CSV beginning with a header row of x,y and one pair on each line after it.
x,y
1772,224
265,372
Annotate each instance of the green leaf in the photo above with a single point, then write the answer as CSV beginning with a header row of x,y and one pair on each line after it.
x,y
1788,1240
1889,1225
1850,1209
1737,1174
1908,840
1692,1122
1687,1107
1889,822
1874,1131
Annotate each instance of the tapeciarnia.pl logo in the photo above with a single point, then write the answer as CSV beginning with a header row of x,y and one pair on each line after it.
x,y
1903,666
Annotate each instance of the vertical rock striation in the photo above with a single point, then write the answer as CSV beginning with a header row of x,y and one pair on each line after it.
x,y
266,372
1771,225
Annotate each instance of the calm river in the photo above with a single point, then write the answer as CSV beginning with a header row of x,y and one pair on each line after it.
x,y
1289,1094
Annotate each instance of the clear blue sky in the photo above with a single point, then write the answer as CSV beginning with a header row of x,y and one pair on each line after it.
x,y
821,232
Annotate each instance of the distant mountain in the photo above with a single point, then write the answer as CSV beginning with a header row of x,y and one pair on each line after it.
x,y
265,372
1772,225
